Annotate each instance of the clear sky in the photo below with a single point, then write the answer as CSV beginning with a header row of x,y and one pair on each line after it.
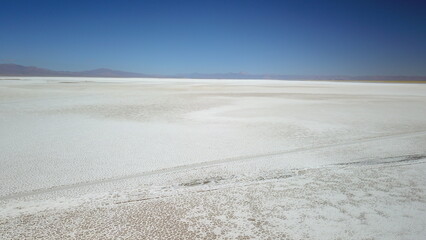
x,y
360,37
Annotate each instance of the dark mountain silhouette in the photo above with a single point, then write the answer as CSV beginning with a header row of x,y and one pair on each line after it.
x,y
18,70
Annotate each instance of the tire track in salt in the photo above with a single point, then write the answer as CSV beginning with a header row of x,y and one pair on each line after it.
x,y
209,163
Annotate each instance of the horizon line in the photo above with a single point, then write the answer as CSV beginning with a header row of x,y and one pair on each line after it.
x,y
108,72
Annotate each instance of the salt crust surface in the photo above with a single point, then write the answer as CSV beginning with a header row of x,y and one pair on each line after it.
x,y
85,158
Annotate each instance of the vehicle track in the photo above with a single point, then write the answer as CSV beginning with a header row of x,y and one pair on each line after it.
x,y
209,163
392,162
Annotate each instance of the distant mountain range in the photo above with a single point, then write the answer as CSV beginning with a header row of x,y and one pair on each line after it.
x,y
19,70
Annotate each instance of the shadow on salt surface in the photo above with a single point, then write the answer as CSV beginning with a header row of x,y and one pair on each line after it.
x,y
219,180
406,159
203,181
283,174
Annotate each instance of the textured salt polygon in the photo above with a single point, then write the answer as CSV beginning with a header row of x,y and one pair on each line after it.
x,y
263,158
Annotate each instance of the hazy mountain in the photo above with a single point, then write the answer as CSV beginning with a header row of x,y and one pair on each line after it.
x,y
18,70
239,75
243,75
105,72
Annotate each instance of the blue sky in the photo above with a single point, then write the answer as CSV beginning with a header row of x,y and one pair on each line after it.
x,y
363,37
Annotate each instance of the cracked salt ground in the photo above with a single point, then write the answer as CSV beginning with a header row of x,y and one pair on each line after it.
x,y
191,159
336,202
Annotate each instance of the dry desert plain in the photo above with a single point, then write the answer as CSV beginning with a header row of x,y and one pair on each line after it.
x,y
105,158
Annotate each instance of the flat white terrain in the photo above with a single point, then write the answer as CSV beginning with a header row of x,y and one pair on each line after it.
x,y
104,158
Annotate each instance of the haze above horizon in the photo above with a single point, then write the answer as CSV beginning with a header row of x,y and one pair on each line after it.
x,y
258,37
